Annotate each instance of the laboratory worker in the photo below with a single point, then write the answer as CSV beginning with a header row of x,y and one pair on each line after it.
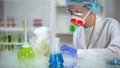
x,y
95,36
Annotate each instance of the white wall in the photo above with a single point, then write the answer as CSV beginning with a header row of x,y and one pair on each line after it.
x,y
112,9
28,8
1,8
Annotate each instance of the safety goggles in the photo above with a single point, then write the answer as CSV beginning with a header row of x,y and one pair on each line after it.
x,y
78,11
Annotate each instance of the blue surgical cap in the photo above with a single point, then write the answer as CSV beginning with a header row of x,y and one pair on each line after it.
x,y
93,5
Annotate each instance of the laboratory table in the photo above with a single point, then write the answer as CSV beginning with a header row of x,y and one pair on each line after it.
x,y
8,59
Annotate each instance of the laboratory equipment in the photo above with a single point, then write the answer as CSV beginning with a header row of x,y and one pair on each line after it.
x,y
40,40
37,22
1,22
13,24
26,52
8,22
56,58
113,61
72,28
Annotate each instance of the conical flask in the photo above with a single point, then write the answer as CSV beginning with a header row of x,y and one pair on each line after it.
x,y
26,52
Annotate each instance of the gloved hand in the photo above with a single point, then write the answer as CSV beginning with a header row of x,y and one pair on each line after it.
x,y
68,50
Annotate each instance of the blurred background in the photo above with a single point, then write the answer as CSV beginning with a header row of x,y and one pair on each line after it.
x,y
51,13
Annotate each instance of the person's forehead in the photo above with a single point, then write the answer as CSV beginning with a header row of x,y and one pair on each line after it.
x,y
75,7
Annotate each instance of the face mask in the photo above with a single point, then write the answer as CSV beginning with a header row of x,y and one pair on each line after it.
x,y
78,21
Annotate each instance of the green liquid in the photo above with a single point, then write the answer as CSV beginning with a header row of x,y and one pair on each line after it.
x,y
72,28
25,53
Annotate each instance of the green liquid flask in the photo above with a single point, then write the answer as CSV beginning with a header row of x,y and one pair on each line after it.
x,y
25,53
72,28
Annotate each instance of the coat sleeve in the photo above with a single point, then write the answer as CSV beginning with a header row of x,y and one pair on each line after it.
x,y
106,53
113,49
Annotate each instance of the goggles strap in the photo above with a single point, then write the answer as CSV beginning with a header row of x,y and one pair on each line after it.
x,y
86,15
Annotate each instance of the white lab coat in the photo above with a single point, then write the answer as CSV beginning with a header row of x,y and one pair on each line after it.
x,y
105,41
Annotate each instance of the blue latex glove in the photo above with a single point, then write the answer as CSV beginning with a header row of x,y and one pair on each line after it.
x,y
68,50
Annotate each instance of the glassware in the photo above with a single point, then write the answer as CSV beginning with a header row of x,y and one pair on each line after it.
x,y
56,58
25,53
